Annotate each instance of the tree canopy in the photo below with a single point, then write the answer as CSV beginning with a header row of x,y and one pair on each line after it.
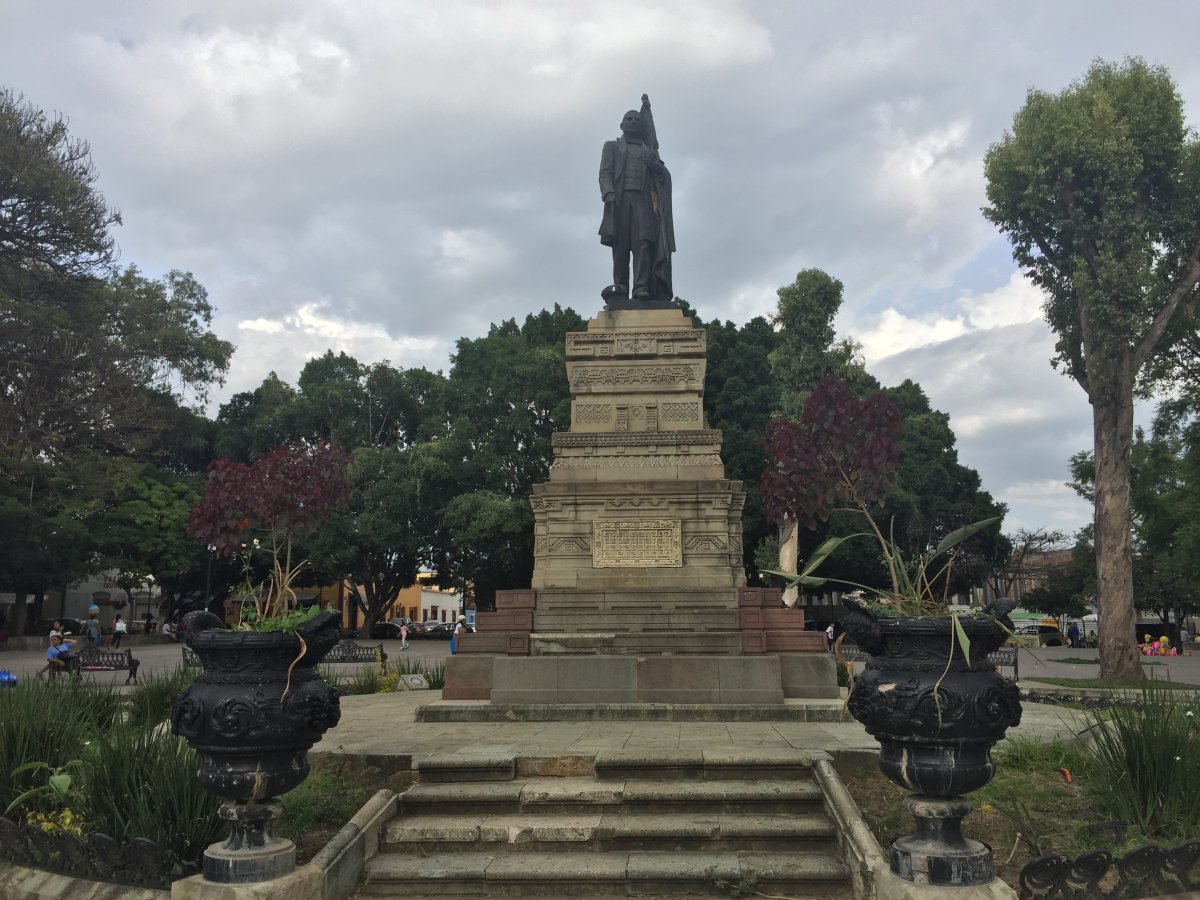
x,y
1098,190
103,369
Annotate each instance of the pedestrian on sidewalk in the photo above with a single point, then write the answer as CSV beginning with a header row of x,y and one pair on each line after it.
x,y
93,630
829,636
119,631
56,656
459,628
1073,634
403,635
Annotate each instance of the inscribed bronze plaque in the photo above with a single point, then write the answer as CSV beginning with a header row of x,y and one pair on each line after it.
x,y
651,543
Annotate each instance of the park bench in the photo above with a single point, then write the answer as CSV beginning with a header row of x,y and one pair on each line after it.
x,y
343,652
98,659
1004,657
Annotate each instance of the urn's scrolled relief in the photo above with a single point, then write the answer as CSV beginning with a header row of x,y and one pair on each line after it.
x,y
654,543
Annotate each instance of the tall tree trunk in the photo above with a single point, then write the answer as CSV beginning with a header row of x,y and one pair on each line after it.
x,y
1112,427
789,546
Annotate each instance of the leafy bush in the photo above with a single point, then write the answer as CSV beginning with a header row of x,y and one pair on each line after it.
x,y
435,674
150,702
48,722
1147,770
140,782
367,680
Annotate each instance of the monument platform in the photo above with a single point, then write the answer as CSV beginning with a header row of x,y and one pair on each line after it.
x,y
638,591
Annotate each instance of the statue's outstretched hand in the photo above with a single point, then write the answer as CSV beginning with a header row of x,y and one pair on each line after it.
x,y
645,101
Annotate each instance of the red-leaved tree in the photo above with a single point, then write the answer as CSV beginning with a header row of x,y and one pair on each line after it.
x,y
263,505
842,451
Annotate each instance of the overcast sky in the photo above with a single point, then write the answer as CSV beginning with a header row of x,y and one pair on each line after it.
x,y
386,177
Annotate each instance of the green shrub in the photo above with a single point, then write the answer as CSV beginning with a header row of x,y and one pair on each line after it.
x,y
367,680
408,665
1147,770
150,702
435,674
140,782
49,722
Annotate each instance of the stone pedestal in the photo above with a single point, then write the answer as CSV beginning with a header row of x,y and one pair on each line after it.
x,y
638,547
638,534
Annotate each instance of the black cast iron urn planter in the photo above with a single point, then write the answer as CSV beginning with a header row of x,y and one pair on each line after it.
x,y
936,717
252,714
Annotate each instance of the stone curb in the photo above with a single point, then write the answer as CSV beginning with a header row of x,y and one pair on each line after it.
x,y
20,883
468,711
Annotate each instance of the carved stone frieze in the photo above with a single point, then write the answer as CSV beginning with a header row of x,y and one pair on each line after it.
x,y
633,376
573,542
645,343
593,413
706,542
638,502
663,460
710,436
640,543
681,412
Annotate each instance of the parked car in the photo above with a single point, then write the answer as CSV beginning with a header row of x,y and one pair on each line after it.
x,y
385,631
445,630
390,630
1043,634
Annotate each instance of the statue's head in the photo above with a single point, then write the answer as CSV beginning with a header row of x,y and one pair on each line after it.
x,y
631,125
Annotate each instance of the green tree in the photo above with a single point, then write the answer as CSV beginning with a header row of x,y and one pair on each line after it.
x,y
739,395
807,347
1096,188
51,215
389,530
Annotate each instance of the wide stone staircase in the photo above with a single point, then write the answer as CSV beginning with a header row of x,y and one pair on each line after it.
x,y
626,823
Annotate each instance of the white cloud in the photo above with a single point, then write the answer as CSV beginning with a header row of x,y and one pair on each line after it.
x,y
893,332
1044,504
385,178
1014,303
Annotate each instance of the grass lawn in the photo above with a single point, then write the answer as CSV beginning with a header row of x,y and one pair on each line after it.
x,y
1114,685
1080,661
1028,810
316,811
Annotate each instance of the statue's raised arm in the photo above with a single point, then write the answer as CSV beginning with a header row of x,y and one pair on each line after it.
x,y
648,124
636,189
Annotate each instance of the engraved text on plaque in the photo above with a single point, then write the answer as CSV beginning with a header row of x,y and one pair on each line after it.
x,y
645,542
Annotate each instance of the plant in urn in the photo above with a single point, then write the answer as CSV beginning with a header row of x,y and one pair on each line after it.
x,y
258,705
929,695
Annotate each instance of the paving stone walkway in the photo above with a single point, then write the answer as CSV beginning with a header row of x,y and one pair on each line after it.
x,y
384,725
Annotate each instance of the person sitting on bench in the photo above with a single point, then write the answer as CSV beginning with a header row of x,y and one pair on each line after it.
x,y
56,655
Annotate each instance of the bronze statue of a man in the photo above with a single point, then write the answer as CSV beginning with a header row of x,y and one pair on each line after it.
x,y
636,188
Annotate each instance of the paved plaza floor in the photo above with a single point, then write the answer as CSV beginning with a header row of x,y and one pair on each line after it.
x,y
384,725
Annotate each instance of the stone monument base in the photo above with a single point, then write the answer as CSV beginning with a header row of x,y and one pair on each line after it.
x,y
755,680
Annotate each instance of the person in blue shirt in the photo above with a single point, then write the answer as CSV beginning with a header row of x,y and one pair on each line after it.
x,y
56,655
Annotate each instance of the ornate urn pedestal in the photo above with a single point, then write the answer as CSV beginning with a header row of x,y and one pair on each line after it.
x,y
252,714
936,716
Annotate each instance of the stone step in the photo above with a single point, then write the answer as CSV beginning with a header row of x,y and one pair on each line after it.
x,y
484,711
604,831
605,873
768,763
585,792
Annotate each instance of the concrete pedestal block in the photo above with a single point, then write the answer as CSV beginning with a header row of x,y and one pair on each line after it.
x,y
468,678
573,679
749,679
809,675
674,679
